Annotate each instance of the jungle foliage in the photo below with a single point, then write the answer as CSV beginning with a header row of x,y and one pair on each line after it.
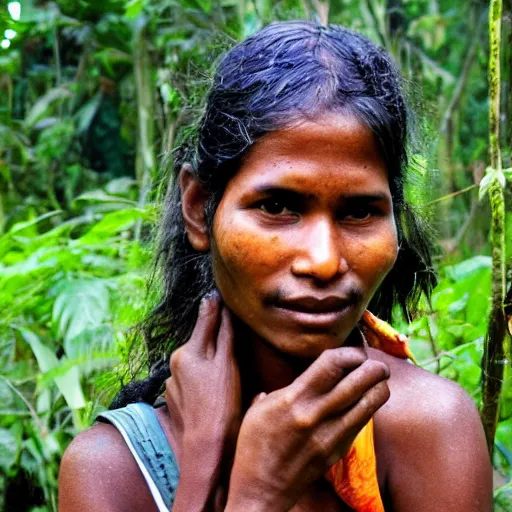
x,y
94,96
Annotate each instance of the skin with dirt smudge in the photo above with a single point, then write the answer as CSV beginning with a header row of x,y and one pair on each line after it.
x,y
334,234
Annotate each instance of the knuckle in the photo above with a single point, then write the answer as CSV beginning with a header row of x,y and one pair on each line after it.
x,y
348,356
327,355
288,398
302,419
358,352
177,359
331,363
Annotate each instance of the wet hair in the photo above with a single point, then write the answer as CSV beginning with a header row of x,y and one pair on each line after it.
x,y
284,74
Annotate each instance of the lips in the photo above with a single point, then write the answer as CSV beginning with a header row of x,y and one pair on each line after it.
x,y
315,312
310,304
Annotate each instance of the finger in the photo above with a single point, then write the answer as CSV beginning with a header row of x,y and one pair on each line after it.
x,y
330,367
352,388
225,337
338,434
204,335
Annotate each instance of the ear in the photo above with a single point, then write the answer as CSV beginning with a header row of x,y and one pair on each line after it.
x,y
193,201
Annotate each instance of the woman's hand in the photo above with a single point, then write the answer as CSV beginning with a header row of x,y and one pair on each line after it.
x,y
204,400
290,437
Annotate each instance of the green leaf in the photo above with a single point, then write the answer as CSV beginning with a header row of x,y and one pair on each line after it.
x,y
134,8
69,383
8,449
46,358
21,226
120,186
80,305
102,197
86,113
468,267
42,106
113,223
70,387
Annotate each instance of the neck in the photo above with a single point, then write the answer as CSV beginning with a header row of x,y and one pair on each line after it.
x,y
265,369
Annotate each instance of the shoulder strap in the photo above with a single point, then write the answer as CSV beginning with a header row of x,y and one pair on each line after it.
x,y
146,440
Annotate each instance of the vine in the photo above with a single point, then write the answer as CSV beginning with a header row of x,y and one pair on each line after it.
x,y
493,361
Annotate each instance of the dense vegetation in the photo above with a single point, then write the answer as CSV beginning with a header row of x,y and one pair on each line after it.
x,y
94,95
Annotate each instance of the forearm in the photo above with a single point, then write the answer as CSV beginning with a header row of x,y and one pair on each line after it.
x,y
199,479
248,504
247,494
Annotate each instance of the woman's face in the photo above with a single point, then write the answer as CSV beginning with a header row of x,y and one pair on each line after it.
x,y
305,233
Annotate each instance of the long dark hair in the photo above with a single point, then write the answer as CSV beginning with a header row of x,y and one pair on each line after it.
x,y
285,73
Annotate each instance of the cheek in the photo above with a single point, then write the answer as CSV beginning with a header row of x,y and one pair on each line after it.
x,y
244,258
376,256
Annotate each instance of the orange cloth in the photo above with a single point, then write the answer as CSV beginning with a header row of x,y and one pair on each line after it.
x,y
354,477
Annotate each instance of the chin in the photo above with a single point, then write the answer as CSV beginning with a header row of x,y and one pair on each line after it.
x,y
305,345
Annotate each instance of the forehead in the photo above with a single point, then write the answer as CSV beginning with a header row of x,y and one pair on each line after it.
x,y
335,150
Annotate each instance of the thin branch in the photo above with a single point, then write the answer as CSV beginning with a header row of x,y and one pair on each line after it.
x,y
453,194
31,409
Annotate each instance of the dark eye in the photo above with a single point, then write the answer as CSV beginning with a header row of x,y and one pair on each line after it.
x,y
358,213
274,207
361,214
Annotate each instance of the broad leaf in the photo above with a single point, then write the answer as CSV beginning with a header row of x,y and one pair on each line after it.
x,y
80,305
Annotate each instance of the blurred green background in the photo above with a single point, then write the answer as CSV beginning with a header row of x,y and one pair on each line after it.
x,y
94,95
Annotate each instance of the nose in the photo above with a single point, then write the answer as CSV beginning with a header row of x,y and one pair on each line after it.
x,y
321,254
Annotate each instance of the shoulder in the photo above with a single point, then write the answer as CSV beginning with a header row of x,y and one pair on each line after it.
x,y
432,441
424,396
98,472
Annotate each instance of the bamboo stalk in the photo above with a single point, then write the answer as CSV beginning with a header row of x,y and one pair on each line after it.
x,y
493,361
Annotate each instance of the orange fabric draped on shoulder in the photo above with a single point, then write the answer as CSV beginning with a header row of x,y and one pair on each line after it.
x,y
354,477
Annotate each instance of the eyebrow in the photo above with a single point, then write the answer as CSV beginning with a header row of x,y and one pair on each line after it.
x,y
372,197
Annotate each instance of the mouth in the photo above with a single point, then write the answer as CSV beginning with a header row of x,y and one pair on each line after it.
x,y
315,312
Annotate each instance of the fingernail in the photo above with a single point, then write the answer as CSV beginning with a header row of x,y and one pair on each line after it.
x,y
211,295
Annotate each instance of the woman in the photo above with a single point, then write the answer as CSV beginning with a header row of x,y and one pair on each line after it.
x,y
289,216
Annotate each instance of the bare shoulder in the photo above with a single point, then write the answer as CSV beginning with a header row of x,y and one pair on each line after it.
x,y
429,434
423,395
98,472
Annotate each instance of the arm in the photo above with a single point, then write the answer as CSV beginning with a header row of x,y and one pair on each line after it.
x,y
292,436
98,472
441,460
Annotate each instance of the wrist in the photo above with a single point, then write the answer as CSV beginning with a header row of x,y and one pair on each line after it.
x,y
244,504
195,490
247,495
200,468
241,503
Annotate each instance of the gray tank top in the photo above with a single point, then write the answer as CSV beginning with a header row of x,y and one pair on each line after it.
x,y
146,440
